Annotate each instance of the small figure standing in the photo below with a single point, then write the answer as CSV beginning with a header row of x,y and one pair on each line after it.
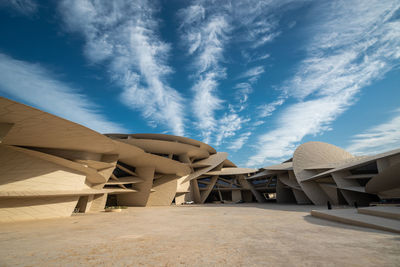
x,y
329,205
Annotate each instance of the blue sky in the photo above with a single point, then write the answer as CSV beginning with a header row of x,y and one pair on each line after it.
x,y
252,78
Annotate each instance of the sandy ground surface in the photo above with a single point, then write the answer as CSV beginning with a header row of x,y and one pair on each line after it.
x,y
208,235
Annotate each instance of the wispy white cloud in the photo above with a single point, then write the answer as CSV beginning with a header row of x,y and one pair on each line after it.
x,y
207,28
254,56
259,21
228,125
266,39
35,85
304,118
205,36
244,89
124,35
258,123
353,45
267,109
254,72
24,7
205,103
379,138
240,141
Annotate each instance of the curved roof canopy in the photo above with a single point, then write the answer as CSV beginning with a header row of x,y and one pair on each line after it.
x,y
232,171
135,156
166,137
26,126
168,147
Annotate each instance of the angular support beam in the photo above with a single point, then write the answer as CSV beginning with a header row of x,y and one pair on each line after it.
x,y
246,185
206,193
196,191
126,170
140,198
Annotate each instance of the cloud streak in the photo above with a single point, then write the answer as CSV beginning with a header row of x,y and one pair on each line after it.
x,y
354,44
229,124
123,35
24,7
378,138
35,85
205,36
207,29
240,141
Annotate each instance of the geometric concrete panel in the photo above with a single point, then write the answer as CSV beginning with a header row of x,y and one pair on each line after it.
x,y
284,194
311,154
141,197
247,185
212,162
301,197
20,171
164,191
20,209
33,127
183,191
388,179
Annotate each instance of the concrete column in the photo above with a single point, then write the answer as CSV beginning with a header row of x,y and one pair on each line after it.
x,y
139,198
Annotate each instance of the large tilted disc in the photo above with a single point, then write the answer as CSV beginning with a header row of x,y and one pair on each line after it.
x,y
169,147
167,137
312,154
232,171
35,128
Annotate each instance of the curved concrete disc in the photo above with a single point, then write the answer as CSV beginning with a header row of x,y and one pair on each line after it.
x,y
169,147
312,154
135,156
35,128
167,137
232,171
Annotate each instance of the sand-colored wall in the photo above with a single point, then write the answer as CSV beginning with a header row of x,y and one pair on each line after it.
x,y
21,209
20,172
164,191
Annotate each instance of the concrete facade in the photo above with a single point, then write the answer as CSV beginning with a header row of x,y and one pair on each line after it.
x,y
320,172
51,167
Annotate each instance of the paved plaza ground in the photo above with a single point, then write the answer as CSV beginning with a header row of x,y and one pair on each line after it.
x,y
205,235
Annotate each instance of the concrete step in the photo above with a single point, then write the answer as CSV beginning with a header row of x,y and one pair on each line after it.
x,y
382,211
351,216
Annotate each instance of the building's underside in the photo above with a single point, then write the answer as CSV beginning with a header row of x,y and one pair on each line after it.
x,y
51,167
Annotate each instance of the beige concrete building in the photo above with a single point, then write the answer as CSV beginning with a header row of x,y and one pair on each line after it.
x,y
52,167
320,172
